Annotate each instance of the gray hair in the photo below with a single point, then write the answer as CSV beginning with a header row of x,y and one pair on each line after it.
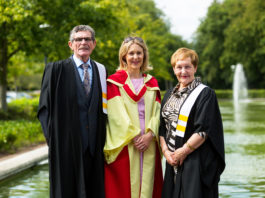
x,y
80,28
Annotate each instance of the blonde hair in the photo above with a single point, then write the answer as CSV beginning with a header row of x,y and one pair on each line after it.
x,y
126,44
183,53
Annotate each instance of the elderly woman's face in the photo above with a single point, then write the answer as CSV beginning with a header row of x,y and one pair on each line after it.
x,y
184,70
134,57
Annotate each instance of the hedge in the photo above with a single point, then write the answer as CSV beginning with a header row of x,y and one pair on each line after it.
x,y
228,94
15,134
21,109
19,126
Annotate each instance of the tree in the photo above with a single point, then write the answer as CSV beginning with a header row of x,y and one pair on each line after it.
x,y
41,29
17,24
245,40
209,43
232,32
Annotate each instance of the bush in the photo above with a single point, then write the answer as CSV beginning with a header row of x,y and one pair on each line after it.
x,y
19,133
19,126
224,93
228,93
256,93
21,109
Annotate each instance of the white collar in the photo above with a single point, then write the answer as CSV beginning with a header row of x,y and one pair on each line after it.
x,y
79,62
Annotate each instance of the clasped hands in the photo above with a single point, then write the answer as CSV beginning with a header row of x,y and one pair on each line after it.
x,y
142,141
177,157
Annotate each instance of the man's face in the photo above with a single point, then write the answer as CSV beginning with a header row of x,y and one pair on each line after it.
x,y
82,45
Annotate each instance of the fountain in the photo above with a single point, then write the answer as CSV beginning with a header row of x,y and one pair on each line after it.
x,y
240,92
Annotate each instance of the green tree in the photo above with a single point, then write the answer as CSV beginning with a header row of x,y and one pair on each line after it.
x,y
245,40
232,32
209,43
18,26
40,29
24,72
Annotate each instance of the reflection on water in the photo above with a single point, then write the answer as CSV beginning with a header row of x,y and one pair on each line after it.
x,y
31,183
244,175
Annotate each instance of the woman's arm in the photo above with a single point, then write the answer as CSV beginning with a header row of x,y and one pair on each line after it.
x,y
166,152
192,144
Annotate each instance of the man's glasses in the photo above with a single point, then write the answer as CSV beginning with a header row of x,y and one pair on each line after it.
x,y
128,39
80,39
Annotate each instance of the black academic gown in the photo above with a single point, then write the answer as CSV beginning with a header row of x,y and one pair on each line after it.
x,y
199,175
75,171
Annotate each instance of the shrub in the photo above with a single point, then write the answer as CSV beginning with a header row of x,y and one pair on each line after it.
x,y
224,93
20,133
256,93
21,109
19,126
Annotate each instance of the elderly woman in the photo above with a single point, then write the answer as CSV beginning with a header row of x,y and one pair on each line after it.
x,y
191,133
133,162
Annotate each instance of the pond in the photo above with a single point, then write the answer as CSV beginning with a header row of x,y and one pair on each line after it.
x,y
244,175
31,183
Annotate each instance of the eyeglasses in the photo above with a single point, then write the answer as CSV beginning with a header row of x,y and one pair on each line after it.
x,y
80,39
128,39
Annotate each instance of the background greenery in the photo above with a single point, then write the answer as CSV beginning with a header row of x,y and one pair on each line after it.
x,y
35,32
19,126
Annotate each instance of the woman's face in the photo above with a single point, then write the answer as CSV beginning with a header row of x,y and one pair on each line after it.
x,y
134,57
185,70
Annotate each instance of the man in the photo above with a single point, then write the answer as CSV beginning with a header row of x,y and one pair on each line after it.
x,y
72,112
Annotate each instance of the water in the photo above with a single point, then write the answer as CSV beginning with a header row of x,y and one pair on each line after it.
x,y
243,177
31,183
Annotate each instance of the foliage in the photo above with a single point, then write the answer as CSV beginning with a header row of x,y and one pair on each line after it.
x,y
232,32
19,30
19,133
224,93
245,40
41,32
209,45
24,72
21,109
256,93
228,93
19,126
24,108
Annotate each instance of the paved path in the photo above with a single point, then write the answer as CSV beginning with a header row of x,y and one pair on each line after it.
x,y
18,163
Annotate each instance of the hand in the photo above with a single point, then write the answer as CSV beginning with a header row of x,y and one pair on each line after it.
x,y
142,142
168,155
179,156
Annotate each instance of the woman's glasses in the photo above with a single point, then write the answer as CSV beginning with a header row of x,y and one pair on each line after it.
x,y
128,39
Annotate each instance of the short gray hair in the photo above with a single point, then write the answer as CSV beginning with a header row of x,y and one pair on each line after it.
x,y
80,28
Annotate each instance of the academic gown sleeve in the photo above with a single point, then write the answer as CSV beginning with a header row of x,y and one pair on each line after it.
x,y
120,129
44,101
207,118
154,117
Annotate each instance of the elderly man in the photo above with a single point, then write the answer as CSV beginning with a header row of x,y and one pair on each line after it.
x,y
72,112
